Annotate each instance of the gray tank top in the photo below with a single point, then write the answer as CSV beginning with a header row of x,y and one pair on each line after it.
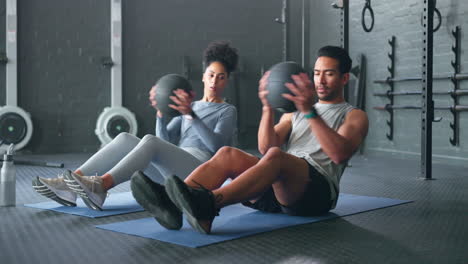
x,y
303,143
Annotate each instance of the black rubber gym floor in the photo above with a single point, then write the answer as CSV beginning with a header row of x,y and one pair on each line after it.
x,y
432,229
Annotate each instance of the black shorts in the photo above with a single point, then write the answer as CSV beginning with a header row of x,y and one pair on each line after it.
x,y
316,199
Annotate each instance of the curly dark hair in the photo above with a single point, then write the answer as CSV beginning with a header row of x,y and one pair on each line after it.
x,y
222,52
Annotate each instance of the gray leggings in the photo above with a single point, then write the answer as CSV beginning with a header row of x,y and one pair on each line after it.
x,y
126,154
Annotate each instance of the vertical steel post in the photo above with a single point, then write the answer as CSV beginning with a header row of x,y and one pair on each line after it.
x,y
391,71
11,53
345,36
285,20
116,52
345,25
305,34
427,113
456,49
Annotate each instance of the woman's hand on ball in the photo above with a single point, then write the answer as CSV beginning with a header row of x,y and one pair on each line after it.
x,y
183,101
303,92
262,91
152,99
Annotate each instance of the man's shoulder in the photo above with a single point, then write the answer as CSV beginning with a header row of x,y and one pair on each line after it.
x,y
287,117
358,118
357,113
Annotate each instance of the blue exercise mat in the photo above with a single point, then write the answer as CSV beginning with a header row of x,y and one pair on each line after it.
x,y
238,221
115,204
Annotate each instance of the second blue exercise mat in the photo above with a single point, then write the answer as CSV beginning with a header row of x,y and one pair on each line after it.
x,y
237,221
116,203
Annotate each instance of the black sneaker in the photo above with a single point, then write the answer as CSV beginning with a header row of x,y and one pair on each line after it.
x,y
197,203
153,198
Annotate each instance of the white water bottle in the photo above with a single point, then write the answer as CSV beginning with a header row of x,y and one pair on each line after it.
x,y
8,180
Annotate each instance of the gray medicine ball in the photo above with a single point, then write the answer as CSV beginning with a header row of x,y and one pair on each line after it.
x,y
166,86
279,75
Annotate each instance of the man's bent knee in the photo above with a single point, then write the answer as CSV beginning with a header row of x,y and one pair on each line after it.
x,y
229,152
223,151
273,153
234,156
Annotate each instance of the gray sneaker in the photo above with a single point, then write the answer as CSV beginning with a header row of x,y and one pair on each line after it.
x,y
89,188
55,189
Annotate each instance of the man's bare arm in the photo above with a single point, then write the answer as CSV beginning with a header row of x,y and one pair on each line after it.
x,y
340,145
269,134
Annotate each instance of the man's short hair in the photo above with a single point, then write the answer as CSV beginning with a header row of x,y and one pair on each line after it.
x,y
339,54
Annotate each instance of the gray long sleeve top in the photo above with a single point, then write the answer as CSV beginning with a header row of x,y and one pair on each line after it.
x,y
216,126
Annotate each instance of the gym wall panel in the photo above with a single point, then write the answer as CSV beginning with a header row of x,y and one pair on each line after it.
x,y
61,80
403,20
294,31
159,34
65,87
325,22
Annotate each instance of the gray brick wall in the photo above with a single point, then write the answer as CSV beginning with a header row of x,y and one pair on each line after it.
x,y
61,82
402,19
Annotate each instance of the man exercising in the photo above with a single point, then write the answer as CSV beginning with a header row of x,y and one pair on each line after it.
x,y
303,179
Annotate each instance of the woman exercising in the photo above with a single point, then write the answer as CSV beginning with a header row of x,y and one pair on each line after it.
x,y
180,145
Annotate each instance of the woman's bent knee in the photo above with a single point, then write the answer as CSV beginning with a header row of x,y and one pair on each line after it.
x,y
124,137
147,137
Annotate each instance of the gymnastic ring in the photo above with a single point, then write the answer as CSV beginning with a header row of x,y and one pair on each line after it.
x,y
439,17
367,6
